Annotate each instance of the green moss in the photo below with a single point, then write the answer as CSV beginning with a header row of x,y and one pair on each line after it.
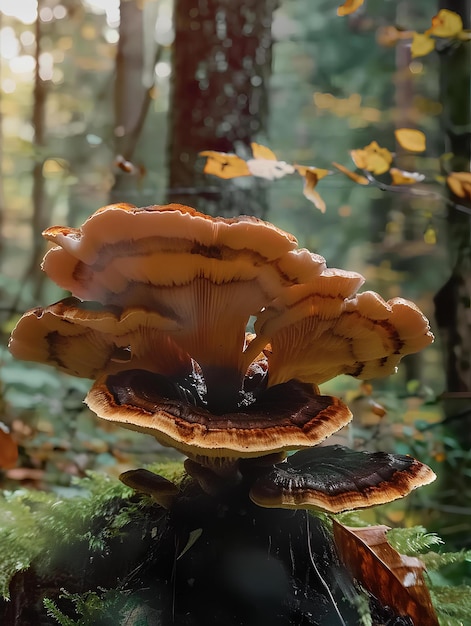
x,y
34,523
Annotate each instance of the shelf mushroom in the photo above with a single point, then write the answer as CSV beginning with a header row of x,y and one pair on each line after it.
x,y
161,300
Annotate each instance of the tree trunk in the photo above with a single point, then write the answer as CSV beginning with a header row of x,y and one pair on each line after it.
x,y
132,99
221,67
453,308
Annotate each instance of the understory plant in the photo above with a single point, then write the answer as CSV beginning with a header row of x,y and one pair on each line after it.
x,y
212,335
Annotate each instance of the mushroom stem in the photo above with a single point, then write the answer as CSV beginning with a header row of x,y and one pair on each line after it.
x,y
223,388
214,474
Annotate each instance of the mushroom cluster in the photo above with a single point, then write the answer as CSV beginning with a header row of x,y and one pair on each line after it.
x,y
162,297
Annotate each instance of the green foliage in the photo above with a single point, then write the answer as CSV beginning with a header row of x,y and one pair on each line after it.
x,y
453,604
92,608
36,524
412,541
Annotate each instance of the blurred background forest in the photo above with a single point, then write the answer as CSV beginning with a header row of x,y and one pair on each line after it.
x,y
105,101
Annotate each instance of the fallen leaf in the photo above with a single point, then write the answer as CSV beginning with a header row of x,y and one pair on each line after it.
x,y
460,184
349,6
8,448
421,45
372,158
395,579
410,139
401,177
224,165
357,178
445,24
192,539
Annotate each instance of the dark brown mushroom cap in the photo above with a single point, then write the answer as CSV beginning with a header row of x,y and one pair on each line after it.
x,y
285,417
162,490
336,479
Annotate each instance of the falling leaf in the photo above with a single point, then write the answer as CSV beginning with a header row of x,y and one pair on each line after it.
x,y
372,158
224,165
460,184
421,45
430,236
410,139
262,152
395,579
318,172
401,177
310,181
349,6
445,24
8,448
357,178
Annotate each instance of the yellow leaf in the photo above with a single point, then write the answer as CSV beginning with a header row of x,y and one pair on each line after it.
x,y
430,236
310,181
224,165
316,171
401,177
349,6
421,45
410,139
262,152
372,158
460,184
357,178
445,24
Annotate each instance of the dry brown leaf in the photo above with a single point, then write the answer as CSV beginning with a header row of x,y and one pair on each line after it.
x,y
421,45
372,158
357,178
395,579
349,6
224,165
310,181
460,184
401,177
410,139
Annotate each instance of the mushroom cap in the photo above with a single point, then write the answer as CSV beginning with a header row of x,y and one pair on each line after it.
x,y
207,274
336,479
84,339
322,329
162,490
286,417
169,292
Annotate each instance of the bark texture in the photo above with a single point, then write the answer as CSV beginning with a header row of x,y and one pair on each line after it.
x,y
221,69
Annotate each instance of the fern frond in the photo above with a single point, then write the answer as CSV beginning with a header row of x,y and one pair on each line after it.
x,y
412,541
452,604
434,561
